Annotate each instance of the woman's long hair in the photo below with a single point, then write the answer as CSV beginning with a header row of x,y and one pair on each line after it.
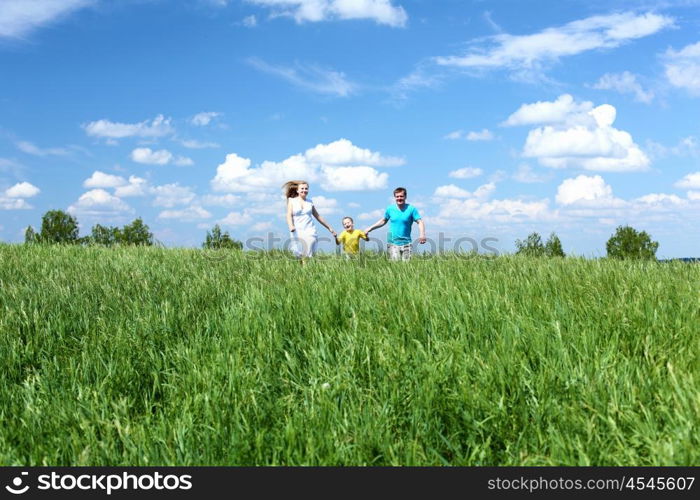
x,y
290,188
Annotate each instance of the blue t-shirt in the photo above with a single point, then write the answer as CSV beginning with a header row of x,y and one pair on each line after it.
x,y
400,222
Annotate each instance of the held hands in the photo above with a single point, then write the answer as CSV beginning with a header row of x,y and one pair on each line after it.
x,y
292,229
422,239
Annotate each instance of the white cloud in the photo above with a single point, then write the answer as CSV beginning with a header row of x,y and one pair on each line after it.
x,y
194,144
485,191
137,186
585,190
22,190
380,11
98,202
310,77
183,161
19,17
504,211
465,173
492,24
625,83
316,164
582,197
150,157
373,215
687,146
167,195
14,204
661,199
231,175
544,112
452,191
186,214
226,200
527,175
326,205
530,52
352,179
421,77
484,135
261,226
578,137
158,127
30,148
344,152
690,181
265,203
603,150
250,21
14,197
591,197
683,68
170,195
101,180
236,219
235,174
204,118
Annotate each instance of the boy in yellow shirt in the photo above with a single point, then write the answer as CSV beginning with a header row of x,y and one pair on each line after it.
x,y
350,237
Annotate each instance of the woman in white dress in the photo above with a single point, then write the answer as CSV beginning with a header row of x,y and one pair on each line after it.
x,y
302,230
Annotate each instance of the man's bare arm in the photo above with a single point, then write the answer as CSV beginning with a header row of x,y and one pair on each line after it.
x,y
376,225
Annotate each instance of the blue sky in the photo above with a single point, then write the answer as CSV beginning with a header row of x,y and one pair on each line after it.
x,y
499,117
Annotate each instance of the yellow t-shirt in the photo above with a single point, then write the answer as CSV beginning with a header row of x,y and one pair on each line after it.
x,y
351,240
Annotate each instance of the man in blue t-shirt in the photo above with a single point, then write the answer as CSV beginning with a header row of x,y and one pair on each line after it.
x,y
401,217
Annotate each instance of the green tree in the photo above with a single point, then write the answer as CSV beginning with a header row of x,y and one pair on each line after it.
x,y
136,233
532,246
628,243
104,235
553,247
216,240
30,235
58,227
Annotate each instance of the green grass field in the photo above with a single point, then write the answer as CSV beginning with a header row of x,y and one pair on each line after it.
x,y
148,356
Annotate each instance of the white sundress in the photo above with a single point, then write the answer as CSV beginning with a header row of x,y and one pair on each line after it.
x,y
304,238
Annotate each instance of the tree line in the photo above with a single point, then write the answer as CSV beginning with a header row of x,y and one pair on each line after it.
x,y
59,227
625,243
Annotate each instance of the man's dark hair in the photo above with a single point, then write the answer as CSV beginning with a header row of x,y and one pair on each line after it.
x,y
400,189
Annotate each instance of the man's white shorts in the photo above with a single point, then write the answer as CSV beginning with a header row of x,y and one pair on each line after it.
x,y
399,252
